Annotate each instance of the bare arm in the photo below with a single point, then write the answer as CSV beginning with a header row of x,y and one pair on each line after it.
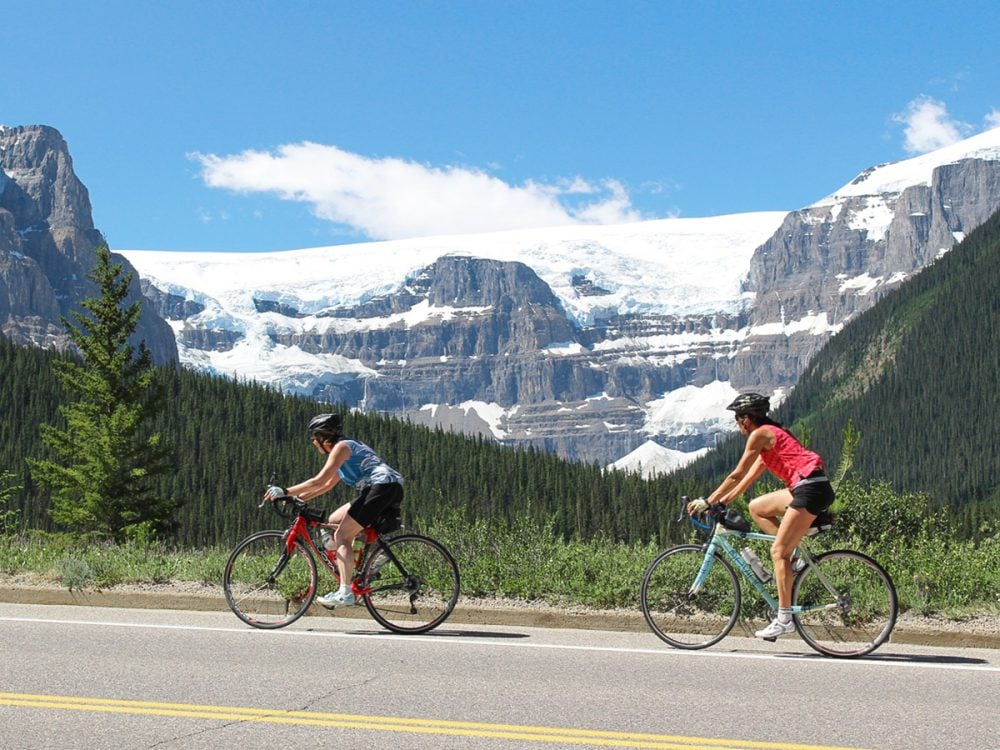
x,y
747,471
327,478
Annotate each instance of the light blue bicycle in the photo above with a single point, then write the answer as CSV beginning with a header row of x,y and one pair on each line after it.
x,y
844,603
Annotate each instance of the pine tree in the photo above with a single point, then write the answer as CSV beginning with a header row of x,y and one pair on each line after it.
x,y
107,455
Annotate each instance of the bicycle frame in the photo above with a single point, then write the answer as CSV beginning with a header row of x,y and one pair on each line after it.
x,y
844,603
720,541
299,530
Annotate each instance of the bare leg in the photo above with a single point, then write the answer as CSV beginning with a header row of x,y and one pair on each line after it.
x,y
768,509
793,527
343,539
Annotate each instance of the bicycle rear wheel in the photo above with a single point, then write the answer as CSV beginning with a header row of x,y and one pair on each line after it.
x,y
682,617
265,585
414,587
852,604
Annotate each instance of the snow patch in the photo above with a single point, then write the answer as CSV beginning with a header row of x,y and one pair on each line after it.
x,y
860,285
691,410
814,323
652,459
874,219
895,177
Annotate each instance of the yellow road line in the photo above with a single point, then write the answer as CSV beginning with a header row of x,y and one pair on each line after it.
x,y
395,724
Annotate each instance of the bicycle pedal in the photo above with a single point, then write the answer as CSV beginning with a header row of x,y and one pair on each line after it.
x,y
770,640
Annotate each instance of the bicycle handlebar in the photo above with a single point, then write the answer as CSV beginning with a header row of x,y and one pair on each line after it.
x,y
290,506
714,513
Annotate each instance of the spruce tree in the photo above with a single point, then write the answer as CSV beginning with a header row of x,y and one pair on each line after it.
x,y
107,454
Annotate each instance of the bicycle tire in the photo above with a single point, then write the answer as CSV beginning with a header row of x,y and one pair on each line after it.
x,y
415,595
264,586
861,611
686,620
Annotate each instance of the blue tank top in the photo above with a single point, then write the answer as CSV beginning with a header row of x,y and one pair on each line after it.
x,y
365,468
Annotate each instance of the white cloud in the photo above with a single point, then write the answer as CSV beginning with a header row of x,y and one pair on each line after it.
x,y
927,126
993,119
391,198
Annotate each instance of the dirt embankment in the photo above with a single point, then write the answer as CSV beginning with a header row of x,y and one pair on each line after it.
x,y
976,631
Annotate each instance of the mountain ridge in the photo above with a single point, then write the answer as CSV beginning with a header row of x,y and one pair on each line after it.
x,y
653,313
48,242
914,375
589,341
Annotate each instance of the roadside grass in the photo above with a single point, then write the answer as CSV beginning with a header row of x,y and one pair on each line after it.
x,y
934,574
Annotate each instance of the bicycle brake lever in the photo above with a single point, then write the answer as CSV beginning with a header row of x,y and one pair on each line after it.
x,y
270,481
684,503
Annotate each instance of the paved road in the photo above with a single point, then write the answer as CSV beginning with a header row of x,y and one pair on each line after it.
x,y
114,678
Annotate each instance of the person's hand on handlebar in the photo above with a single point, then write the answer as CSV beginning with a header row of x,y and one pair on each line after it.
x,y
274,492
697,506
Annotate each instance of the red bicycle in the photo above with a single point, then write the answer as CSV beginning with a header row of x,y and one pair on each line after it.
x,y
408,582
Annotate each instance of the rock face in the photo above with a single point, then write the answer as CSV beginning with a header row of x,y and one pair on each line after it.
x,y
832,260
48,242
586,341
503,338
477,345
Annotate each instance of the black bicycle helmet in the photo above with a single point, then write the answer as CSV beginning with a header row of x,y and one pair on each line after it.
x,y
751,403
326,424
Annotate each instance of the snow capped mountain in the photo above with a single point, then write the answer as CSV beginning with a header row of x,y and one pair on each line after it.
x,y
651,460
897,176
271,309
598,342
669,267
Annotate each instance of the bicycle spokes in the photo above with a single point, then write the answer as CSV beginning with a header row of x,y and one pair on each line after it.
x,y
415,584
266,585
847,604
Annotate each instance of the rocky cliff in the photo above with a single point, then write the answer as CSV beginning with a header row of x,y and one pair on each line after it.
x,y
835,258
588,341
495,334
47,244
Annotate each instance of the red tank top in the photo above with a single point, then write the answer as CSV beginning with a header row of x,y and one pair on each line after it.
x,y
788,459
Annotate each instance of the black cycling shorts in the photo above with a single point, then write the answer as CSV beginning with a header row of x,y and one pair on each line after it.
x,y
369,504
814,497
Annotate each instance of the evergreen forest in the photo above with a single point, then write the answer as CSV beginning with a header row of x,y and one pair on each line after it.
x,y
230,438
915,376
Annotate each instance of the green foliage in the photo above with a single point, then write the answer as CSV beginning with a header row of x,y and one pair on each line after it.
x,y
90,562
8,516
848,450
934,571
105,456
916,375
74,572
876,514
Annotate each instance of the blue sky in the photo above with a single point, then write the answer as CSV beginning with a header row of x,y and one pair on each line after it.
x,y
279,125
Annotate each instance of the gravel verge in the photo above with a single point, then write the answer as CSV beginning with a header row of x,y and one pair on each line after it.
x,y
980,630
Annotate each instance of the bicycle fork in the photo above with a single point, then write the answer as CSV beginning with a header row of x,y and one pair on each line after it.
x,y
288,541
704,570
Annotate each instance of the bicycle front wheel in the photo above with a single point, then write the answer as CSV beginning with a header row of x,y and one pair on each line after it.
x,y
851,604
266,586
680,615
411,585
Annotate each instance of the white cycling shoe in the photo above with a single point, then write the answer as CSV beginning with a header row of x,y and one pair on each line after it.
x,y
334,598
776,628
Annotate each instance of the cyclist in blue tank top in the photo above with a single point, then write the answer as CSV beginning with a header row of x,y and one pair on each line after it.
x,y
357,465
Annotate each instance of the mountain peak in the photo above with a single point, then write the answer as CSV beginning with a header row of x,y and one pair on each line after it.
x,y
894,177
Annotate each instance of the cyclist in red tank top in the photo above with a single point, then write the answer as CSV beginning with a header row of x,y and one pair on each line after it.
x,y
786,513
787,458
